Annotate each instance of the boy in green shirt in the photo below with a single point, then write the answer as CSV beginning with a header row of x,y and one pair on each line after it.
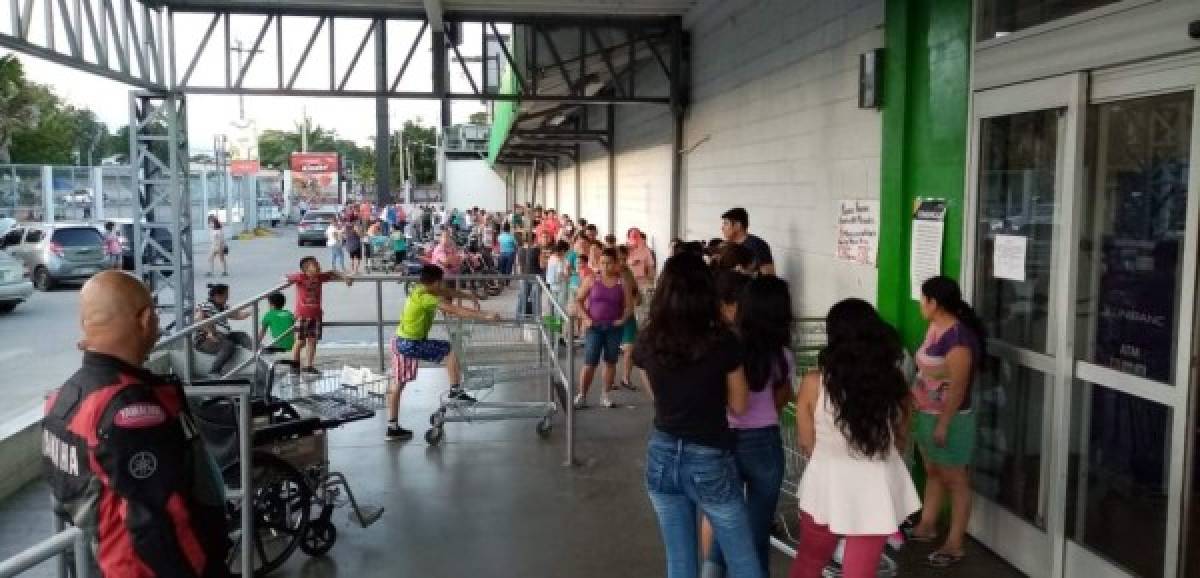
x,y
278,323
412,343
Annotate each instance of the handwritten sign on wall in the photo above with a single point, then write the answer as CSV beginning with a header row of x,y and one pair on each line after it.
x,y
858,231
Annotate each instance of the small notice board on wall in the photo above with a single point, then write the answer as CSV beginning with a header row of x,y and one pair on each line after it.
x,y
858,231
928,235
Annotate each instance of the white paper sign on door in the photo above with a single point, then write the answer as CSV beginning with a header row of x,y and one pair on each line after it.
x,y
928,231
1008,257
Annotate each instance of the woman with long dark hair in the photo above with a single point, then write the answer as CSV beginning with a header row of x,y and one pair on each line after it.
x,y
763,321
851,420
944,424
692,366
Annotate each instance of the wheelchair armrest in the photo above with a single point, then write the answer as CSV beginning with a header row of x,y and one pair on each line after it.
x,y
278,431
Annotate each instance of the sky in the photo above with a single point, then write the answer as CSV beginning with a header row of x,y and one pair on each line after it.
x,y
209,115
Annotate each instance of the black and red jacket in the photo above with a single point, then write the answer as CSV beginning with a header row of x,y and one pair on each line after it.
x,y
125,463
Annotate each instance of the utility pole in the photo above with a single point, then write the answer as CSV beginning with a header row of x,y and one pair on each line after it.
x,y
304,130
237,49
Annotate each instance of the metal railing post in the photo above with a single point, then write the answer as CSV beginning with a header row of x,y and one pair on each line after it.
x,y
569,335
256,351
82,556
61,565
379,322
244,423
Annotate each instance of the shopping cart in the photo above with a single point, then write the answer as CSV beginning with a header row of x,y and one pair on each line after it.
x,y
381,258
497,354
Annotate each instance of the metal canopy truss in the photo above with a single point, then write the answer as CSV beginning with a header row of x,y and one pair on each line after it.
x,y
576,60
164,202
123,40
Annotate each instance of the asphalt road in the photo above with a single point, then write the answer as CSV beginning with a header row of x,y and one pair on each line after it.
x,y
37,340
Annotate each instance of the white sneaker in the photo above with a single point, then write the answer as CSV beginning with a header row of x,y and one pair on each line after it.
x,y
604,401
580,402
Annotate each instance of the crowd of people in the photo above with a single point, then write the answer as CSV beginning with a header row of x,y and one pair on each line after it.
x,y
707,336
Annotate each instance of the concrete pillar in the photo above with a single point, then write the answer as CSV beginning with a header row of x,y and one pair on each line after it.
x,y
98,193
383,132
48,193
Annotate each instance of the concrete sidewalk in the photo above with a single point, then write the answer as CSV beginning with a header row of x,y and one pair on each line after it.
x,y
492,500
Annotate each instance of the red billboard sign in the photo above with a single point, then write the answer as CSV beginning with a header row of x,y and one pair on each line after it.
x,y
315,162
243,168
315,178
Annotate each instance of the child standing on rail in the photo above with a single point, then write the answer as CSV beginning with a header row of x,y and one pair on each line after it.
x,y
307,329
412,342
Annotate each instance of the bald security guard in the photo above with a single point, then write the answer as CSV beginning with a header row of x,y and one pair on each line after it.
x,y
121,453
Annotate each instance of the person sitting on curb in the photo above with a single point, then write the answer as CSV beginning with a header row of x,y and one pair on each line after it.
x,y
412,342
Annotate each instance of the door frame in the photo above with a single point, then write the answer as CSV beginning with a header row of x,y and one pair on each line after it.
x,y
1075,93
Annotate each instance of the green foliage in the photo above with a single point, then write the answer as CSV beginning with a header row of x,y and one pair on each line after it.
x,y
420,143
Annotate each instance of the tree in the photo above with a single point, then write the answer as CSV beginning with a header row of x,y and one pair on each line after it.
x,y
420,144
17,110
480,118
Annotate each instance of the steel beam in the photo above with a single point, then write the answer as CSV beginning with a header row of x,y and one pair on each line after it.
x,y
357,55
407,58
383,132
164,202
611,118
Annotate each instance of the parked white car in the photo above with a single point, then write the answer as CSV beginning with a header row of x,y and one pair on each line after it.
x,y
14,286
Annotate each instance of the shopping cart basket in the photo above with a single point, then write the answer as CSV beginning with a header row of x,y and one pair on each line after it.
x,y
497,354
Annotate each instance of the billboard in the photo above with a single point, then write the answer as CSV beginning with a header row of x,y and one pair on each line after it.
x,y
243,148
315,178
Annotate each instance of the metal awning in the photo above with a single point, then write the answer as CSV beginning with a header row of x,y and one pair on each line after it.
x,y
618,8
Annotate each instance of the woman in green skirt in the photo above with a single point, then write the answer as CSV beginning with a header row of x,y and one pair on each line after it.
x,y
944,423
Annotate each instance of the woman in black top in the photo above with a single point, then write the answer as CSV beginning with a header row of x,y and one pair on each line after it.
x,y
692,365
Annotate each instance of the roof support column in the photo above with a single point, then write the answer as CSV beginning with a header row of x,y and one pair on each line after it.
x,y
678,107
578,184
383,141
611,117
557,188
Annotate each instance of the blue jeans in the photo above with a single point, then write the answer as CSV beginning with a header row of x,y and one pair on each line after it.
x,y
506,263
760,463
339,257
529,300
602,340
683,477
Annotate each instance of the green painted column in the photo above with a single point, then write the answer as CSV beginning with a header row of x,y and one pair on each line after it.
x,y
926,90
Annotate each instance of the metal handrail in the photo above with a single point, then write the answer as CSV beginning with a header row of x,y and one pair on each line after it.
x,y
71,538
565,374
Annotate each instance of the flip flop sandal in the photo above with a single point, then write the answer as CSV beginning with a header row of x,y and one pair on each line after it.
x,y
943,560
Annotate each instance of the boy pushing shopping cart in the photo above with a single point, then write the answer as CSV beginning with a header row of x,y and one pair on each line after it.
x,y
412,343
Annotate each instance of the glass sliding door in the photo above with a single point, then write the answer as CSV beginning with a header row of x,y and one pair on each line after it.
x,y
1135,292
1022,163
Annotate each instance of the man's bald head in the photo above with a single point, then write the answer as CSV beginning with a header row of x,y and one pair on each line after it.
x,y
111,297
117,316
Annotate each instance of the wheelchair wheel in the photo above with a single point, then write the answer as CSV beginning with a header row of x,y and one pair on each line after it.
x,y
282,502
318,538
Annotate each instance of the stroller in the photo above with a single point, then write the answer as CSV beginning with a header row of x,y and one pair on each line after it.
x,y
295,492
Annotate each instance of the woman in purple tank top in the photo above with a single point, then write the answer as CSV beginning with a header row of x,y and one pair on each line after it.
x,y
605,302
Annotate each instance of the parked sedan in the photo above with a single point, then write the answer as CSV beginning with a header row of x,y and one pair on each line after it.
x,y
14,287
56,252
312,227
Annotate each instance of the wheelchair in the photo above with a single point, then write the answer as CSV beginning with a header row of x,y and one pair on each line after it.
x,y
295,491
